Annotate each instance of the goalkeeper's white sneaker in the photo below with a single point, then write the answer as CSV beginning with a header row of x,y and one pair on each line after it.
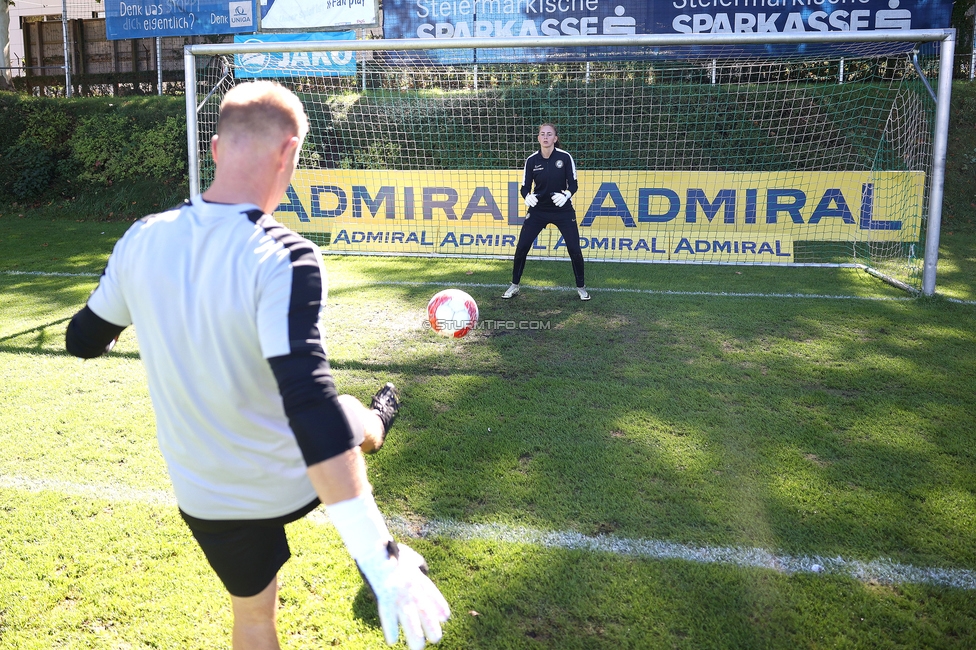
x,y
511,292
582,293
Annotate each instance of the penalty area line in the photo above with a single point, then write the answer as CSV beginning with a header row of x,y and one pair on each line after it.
x,y
881,571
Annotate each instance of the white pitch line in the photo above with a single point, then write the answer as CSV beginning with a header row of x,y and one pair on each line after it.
x,y
106,492
53,274
648,292
882,571
668,292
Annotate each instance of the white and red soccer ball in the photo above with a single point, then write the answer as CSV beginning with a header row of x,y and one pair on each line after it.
x,y
452,312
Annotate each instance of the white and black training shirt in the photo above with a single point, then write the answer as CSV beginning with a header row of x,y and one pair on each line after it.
x,y
551,175
226,303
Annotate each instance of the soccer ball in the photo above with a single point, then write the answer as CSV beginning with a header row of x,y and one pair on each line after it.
x,y
452,312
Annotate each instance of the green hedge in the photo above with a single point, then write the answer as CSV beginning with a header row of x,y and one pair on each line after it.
x,y
59,148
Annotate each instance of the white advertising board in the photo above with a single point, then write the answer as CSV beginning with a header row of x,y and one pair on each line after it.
x,y
317,15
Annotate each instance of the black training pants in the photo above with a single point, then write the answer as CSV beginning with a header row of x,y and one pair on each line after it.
x,y
535,224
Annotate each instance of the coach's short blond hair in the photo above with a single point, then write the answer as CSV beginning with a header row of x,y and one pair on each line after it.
x,y
261,108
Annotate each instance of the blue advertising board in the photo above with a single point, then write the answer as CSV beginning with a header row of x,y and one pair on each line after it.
x,y
155,18
265,65
453,19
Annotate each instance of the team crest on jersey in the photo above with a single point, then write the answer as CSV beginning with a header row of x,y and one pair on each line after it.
x,y
559,164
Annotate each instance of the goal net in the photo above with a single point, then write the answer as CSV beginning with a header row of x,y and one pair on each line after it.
x,y
777,154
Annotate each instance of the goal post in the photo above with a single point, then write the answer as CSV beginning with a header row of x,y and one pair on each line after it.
x,y
799,149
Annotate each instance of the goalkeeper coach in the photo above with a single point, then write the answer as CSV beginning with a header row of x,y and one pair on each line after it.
x,y
227,304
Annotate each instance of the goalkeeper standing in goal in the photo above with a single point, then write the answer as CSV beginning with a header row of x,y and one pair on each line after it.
x,y
548,186
228,304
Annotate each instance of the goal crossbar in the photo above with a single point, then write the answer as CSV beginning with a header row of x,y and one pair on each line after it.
x,y
637,40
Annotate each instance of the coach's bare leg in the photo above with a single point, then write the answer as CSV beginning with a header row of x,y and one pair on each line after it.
x,y
254,620
372,425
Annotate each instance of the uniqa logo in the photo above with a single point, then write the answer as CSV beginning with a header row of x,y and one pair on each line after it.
x,y
240,14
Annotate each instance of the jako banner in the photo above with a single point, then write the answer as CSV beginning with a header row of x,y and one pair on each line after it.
x,y
264,65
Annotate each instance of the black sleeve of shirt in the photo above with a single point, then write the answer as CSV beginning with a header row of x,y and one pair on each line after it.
x,y
89,336
312,405
526,178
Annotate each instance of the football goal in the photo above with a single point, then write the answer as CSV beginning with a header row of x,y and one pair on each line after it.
x,y
822,148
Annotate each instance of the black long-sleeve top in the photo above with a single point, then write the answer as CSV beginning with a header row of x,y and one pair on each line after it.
x,y
556,173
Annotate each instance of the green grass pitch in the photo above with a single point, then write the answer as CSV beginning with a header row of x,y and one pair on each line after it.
x,y
622,478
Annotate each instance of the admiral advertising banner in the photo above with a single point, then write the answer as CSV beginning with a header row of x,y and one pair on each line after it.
x,y
264,65
451,19
155,18
738,216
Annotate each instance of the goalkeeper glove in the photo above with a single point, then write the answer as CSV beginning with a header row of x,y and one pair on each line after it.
x,y
395,574
405,596
559,198
531,200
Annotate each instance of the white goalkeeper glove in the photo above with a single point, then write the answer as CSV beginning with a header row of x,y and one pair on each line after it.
x,y
396,574
405,596
531,200
559,198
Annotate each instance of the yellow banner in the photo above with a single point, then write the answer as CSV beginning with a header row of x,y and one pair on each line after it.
x,y
733,216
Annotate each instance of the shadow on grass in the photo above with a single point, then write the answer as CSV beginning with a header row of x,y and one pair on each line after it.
x,y
57,245
957,266
34,329
519,596
53,352
799,426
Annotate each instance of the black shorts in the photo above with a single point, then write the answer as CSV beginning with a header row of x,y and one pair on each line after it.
x,y
246,554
